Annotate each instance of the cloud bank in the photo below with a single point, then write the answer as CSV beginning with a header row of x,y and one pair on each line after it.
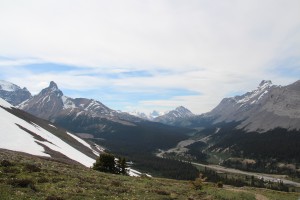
x,y
150,54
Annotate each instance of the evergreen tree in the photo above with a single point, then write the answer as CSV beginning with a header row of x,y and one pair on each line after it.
x,y
123,166
105,163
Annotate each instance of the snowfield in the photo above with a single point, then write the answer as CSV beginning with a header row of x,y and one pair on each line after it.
x,y
14,138
7,86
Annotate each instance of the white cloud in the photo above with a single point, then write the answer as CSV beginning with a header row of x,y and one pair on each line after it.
x,y
212,47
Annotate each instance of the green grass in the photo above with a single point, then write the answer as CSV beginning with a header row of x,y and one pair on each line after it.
x,y
30,177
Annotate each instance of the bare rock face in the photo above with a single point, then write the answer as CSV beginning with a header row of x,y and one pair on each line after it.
x,y
263,109
47,104
280,108
13,93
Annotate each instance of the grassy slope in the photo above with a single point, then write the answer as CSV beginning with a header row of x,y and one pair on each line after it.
x,y
50,179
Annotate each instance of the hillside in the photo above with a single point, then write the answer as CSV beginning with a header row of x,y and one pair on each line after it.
x,y
26,133
25,176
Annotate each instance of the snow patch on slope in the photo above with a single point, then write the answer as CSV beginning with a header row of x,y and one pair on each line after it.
x,y
83,142
67,102
5,103
14,138
256,95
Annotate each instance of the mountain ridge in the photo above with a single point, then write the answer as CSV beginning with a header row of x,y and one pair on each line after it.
x,y
51,103
265,108
13,93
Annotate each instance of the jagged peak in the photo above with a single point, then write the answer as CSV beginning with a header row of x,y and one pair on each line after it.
x,y
53,85
25,89
265,83
53,88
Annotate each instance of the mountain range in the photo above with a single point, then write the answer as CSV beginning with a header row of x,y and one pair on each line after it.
x,y
150,116
51,104
169,117
258,131
118,132
261,124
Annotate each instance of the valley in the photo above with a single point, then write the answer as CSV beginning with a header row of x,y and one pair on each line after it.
x,y
266,177
177,144
150,100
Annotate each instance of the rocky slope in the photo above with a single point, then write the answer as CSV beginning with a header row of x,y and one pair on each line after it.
x,y
262,125
13,93
265,108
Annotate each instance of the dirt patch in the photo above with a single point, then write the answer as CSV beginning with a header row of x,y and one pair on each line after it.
x,y
260,197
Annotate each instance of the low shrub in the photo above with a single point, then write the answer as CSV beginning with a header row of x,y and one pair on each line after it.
x,y
116,183
6,163
32,168
43,180
23,183
198,182
11,170
219,184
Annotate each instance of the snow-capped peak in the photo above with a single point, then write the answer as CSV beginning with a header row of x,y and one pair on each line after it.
x,y
7,86
255,95
53,85
182,109
52,88
265,83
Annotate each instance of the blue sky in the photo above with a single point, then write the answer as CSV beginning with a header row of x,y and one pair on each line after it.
x,y
146,55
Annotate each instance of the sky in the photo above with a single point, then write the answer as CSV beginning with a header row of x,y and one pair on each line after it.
x,y
150,55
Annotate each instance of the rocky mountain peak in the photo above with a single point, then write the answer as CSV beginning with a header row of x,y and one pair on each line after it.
x,y
13,93
182,109
53,85
265,83
52,88
172,116
7,86
25,89
46,104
